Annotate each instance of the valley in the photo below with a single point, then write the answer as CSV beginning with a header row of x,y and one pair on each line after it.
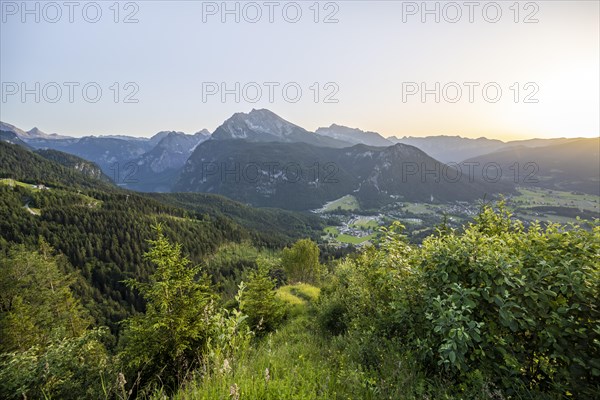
x,y
358,227
300,255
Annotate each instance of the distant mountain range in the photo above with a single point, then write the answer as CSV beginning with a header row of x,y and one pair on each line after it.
x,y
155,170
375,169
34,133
301,176
354,136
144,164
572,165
457,149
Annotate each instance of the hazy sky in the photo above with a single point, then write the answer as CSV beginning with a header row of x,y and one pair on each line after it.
x,y
374,61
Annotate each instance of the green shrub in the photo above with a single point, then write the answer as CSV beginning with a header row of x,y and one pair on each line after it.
x,y
498,305
519,304
301,262
259,301
331,317
167,342
71,368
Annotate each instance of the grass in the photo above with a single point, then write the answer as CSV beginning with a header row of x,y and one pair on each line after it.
x,y
86,201
421,208
298,296
529,198
412,221
285,293
34,211
299,362
366,223
345,238
533,197
297,365
347,203
332,230
90,201
12,182
293,362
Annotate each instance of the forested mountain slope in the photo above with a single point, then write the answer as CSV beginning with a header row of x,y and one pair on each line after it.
x,y
103,230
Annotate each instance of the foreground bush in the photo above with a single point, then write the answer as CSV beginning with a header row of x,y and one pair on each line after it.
x,y
497,305
46,349
72,368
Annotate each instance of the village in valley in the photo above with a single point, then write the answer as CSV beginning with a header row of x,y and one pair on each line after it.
x,y
348,224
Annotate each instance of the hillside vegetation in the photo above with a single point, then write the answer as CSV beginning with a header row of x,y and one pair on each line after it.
x,y
497,311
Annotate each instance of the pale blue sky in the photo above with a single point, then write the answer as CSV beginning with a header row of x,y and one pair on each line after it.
x,y
368,54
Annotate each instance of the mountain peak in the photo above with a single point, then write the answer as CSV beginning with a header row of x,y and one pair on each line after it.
x,y
354,135
203,132
264,125
262,111
35,132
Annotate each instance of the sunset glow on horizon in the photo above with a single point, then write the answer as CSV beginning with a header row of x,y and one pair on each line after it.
x,y
529,72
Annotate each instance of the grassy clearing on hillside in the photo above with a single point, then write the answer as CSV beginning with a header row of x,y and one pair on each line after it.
x,y
291,363
288,364
86,201
34,211
345,238
297,297
366,223
90,201
12,182
533,197
299,362
347,203
299,293
355,240
420,208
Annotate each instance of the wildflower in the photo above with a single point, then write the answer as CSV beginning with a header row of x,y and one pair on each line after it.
x,y
267,375
121,381
226,367
234,392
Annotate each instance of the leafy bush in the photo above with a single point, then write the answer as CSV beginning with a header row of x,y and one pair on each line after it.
x,y
301,261
71,368
519,304
497,305
46,348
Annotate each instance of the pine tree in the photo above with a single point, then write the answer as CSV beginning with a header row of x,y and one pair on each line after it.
x,y
165,341
259,301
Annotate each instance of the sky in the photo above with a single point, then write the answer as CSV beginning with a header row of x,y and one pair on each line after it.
x,y
494,69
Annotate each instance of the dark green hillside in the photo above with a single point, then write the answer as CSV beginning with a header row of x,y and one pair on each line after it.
x,y
103,230
569,166
18,163
300,176
72,162
272,225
